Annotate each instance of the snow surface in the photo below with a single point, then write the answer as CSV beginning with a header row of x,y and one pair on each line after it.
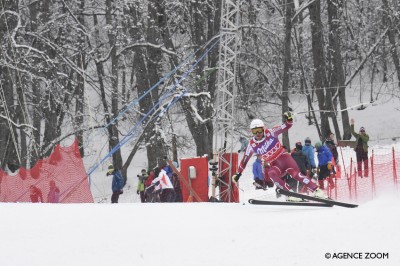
x,y
209,233
197,234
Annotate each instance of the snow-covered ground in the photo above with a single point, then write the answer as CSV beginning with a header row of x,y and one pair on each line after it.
x,y
218,234
199,234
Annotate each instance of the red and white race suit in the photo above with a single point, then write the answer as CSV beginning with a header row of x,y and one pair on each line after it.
x,y
276,160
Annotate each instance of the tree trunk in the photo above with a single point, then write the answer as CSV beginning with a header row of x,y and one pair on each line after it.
x,y
114,137
156,148
337,79
393,28
286,65
80,89
320,81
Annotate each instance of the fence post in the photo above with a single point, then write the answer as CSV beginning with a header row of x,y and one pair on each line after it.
x,y
355,184
394,169
373,188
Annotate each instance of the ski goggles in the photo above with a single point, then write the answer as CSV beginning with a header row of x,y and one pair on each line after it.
x,y
257,130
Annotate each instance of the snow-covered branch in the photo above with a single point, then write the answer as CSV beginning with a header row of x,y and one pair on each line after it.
x,y
146,44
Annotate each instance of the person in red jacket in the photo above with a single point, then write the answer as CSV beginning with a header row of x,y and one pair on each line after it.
x,y
35,194
277,161
149,195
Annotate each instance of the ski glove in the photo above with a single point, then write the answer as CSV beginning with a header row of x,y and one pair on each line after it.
x,y
288,116
329,166
235,178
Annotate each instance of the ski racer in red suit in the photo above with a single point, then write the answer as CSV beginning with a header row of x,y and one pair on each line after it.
x,y
277,161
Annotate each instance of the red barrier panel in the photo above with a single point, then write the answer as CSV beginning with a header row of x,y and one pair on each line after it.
x,y
199,182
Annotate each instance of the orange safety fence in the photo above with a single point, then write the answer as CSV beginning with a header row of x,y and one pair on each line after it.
x,y
63,171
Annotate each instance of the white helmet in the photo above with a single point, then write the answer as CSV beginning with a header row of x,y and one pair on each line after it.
x,y
256,123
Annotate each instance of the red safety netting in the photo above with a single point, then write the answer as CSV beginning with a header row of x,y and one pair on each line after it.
x,y
63,168
383,176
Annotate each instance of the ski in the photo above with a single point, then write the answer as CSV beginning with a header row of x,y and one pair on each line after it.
x,y
288,203
327,201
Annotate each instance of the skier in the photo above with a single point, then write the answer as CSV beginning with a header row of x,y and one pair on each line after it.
x,y
277,162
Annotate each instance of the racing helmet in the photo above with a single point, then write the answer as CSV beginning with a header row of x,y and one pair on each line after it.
x,y
256,123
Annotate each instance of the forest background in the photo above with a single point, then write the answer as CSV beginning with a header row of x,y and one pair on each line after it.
x,y
96,70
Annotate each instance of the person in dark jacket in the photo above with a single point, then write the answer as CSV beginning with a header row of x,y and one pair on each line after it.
x,y
302,162
177,187
300,158
361,149
330,143
118,183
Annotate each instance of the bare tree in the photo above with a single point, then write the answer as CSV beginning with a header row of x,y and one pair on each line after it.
x,y
320,81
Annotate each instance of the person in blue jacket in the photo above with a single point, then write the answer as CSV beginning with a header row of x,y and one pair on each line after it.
x,y
118,183
308,150
324,163
258,174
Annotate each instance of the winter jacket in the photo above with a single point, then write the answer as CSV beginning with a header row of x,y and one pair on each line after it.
x,y
150,179
360,138
332,147
257,170
308,150
269,147
142,180
324,155
301,160
118,182
168,170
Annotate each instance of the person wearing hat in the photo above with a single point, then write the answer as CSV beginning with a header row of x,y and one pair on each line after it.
x,y
118,183
330,143
140,188
324,164
361,149
308,150
303,164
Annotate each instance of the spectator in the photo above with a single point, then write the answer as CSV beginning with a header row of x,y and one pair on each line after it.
x,y
141,184
324,163
163,185
308,150
35,194
300,158
330,143
177,187
243,142
177,184
118,183
258,174
54,193
361,149
149,194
